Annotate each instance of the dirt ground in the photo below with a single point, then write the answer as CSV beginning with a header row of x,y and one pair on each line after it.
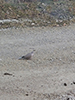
x,y
50,75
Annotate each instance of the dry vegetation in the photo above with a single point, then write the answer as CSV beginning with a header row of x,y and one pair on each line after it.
x,y
25,10
38,12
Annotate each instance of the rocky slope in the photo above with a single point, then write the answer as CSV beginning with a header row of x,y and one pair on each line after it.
x,y
38,14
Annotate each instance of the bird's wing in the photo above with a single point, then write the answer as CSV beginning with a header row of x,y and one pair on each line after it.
x,y
28,56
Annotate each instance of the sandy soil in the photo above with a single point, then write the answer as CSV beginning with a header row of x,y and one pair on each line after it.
x,y
50,75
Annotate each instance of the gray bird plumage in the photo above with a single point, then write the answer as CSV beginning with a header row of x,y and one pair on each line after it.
x,y
27,56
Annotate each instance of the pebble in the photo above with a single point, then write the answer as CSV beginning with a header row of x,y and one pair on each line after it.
x,y
32,23
65,84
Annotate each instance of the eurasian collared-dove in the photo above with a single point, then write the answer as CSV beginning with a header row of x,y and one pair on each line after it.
x,y
27,56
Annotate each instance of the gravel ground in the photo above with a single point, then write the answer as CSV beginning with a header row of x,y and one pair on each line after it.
x,y
50,75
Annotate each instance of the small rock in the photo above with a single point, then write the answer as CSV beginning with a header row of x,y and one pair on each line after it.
x,y
60,59
57,25
7,74
33,24
65,84
64,24
26,94
68,99
57,20
60,20
73,82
